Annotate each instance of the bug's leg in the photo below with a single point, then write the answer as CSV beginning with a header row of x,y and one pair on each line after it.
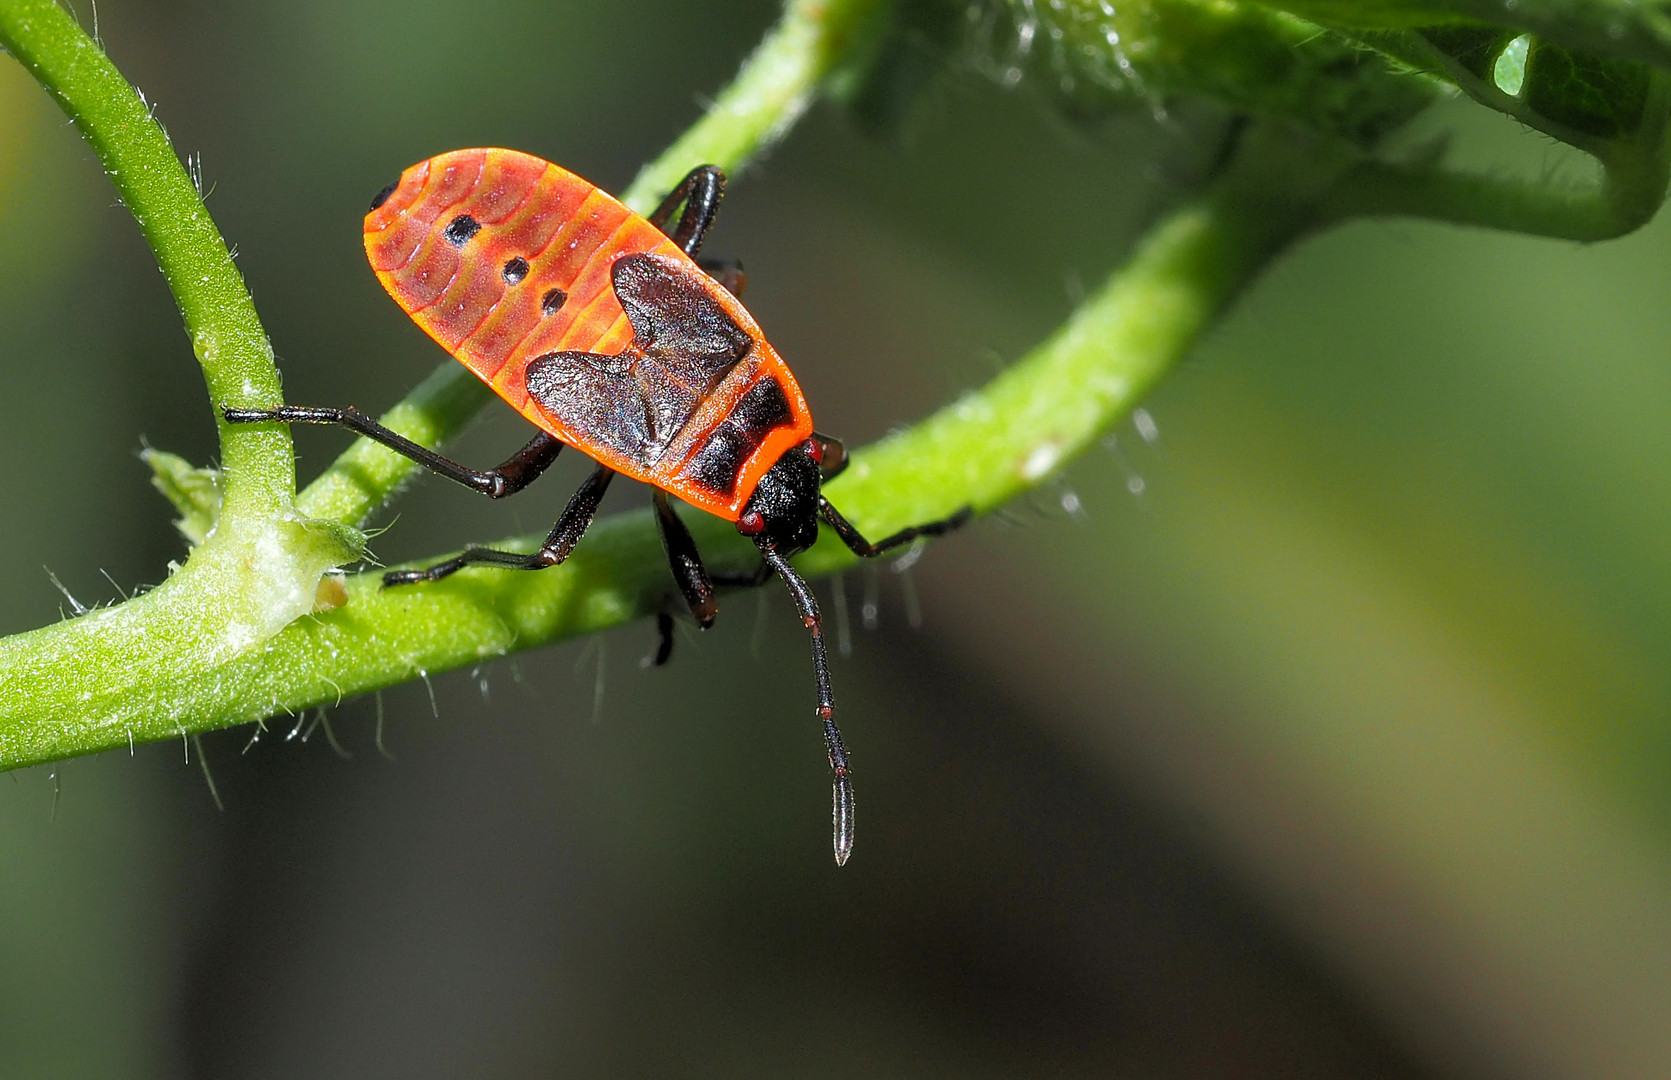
x,y
864,549
682,556
700,193
832,455
664,636
842,814
562,539
728,272
507,478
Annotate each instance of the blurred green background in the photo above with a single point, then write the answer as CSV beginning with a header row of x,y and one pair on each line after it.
x,y
1322,734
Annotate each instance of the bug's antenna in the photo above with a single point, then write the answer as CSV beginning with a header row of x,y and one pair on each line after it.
x,y
843,793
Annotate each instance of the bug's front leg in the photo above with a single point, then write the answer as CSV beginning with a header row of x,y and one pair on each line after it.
x,y
686,562
864,549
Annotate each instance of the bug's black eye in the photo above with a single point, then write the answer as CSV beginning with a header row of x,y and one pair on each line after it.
x,y
383,196
515,270
461,229
552,302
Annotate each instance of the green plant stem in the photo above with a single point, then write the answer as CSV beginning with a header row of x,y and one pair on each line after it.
x,y
259,569
1625,200
981,450
219,316
774,87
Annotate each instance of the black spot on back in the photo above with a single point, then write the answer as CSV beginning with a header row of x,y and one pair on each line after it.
x,y
461,229
552,302
515,270
383,196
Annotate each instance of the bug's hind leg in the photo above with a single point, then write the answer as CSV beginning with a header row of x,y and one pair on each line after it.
x,y
577,516
700,192
864,549
507,478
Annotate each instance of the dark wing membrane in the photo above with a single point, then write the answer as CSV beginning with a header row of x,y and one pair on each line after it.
x,y
597,398
637,402
677,323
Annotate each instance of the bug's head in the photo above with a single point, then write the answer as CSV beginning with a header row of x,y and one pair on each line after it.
x,y
783,511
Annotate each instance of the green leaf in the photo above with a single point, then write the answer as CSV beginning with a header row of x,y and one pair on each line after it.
x,y
1595,95
1474,49
1637,30
1090,58
194,492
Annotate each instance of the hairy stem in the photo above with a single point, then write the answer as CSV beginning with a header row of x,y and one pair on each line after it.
x,y
1626,199
80,683
220,318
1635,171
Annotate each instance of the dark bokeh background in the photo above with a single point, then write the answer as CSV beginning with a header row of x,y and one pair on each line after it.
x,y
1325,735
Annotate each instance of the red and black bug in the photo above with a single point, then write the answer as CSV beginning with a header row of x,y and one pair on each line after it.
x,y
600,327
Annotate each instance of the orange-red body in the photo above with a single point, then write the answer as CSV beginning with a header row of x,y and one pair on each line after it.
x,y
497,317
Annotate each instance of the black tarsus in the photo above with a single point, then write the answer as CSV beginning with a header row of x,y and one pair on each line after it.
x,y
576,518
507,478
383,196
842,811
864,549
664,636
723,580
700,192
